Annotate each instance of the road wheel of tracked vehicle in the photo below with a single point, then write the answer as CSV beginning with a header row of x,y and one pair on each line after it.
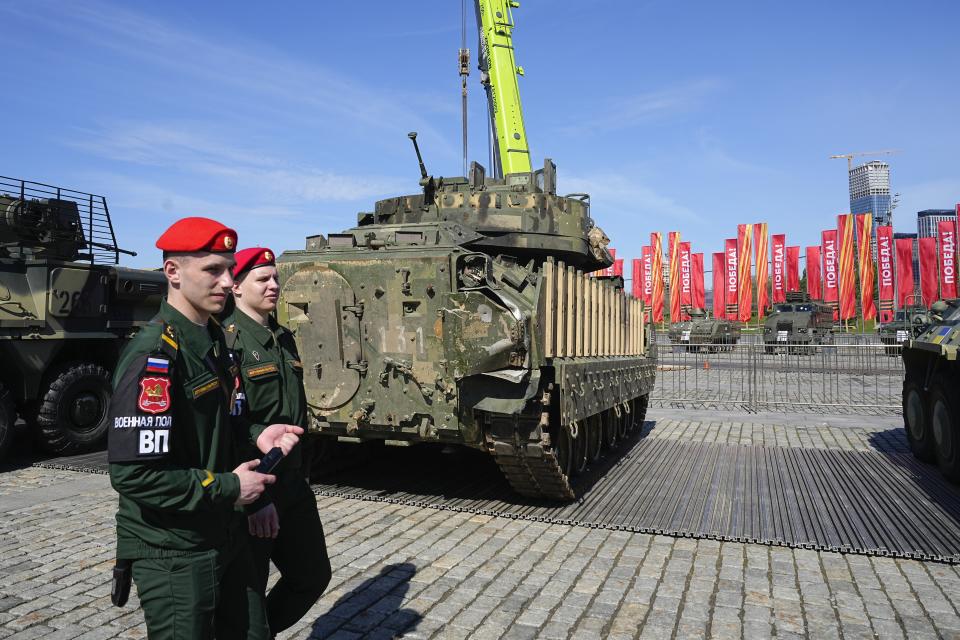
x,y
8,419
623,421
639,413
75,409
915,421
563,448
945,428
609,429
594,437
580,450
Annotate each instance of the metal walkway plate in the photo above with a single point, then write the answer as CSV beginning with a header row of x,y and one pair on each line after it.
x,y
876,503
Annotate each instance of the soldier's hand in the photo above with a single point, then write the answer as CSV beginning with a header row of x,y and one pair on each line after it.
x,y
284,436
252,484
265,523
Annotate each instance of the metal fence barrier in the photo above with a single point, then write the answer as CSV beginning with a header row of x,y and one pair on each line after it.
x,y
850,375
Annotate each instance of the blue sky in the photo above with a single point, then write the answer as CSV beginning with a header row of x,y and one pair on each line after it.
x,y
285,121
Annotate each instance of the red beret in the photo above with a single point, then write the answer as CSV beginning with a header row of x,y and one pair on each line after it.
x,y
249,258
198,234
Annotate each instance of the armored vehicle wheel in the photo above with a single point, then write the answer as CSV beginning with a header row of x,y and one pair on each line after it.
x,y
8,419
945,428
563,447
594,438
639,413
75,409
915,421
609,429
623,422
580,451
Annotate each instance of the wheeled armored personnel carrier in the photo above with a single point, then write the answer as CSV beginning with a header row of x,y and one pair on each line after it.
x,y
66,308
931,403
797,327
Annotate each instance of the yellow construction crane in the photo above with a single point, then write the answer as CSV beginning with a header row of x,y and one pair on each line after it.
x,y
851,156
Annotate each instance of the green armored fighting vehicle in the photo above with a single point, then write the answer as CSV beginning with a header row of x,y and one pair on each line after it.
x,y
797,327
931,401
464,314
704,332
65,310
907,323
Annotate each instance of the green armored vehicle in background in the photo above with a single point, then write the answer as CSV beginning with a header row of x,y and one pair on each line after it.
x,y
931,389
907,323
702,331
465,314
66,309
797,327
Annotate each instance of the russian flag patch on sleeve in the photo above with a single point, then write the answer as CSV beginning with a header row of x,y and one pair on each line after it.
x,y
158,365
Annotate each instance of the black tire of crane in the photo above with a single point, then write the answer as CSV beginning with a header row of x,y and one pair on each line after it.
x,y
75,410
579,451
944,420
594,437
8,420
916,421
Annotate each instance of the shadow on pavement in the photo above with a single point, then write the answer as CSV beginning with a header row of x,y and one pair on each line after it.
x,y
374,608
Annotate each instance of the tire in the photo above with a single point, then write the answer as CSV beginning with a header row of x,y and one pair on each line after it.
x,y
594,437
75,409
609,429
580,451
639,413
944,421
8,420
915,421
623,423
563,450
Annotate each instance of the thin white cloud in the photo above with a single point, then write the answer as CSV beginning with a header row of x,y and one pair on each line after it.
x,y
616,197
248,170
627,112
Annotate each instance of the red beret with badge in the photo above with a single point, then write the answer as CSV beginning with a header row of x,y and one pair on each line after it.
x,y
189,235
250,258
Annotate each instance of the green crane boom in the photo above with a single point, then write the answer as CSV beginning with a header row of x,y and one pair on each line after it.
x,y
499,73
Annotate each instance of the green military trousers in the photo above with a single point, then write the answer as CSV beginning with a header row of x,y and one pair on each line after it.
x,y
201,595
299,552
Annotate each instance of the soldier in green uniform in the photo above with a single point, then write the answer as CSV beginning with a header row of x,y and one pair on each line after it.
x,y
284,524
174,446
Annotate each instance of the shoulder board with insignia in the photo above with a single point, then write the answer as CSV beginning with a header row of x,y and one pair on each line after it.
x,y
205,388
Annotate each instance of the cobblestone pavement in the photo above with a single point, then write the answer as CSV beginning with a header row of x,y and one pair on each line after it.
x,y
423,573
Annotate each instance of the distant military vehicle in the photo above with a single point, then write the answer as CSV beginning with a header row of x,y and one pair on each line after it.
x,y
702,331
931,403
65,310
907,323
797,327
465,314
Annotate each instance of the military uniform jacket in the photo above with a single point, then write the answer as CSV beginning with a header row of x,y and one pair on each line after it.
x,y
272,379
173,443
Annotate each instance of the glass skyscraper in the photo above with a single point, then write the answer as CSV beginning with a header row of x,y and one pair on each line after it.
x,y
870,192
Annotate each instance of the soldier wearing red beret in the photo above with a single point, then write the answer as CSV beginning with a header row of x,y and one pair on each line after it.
x,y
174,450
284,524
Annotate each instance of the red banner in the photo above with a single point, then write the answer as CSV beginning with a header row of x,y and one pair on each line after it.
x,y
848,301
813,273
646,263
885,272
656,291
730,249
636,278
686,286
831,289
763,295
793,269
618,267
674,247
719,287
696,275
744,282
929,290
905,284
779,268
947,230
865,254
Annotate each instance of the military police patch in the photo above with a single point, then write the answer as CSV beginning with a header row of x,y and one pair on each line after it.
x,y
154,394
